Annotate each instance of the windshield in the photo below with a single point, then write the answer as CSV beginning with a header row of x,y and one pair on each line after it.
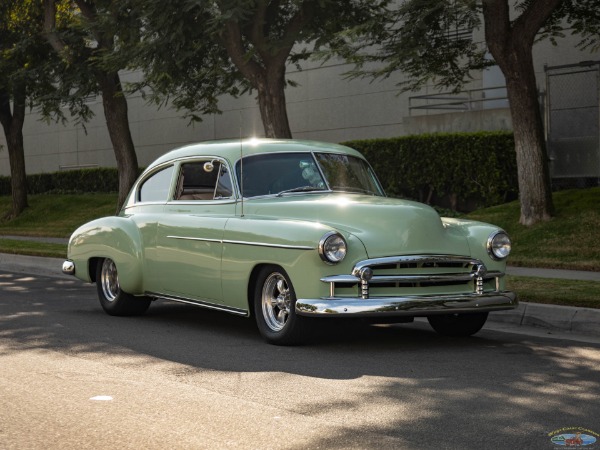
x,y
348,173
282,173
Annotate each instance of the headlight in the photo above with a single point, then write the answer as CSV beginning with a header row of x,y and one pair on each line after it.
x,y
498,245
332,248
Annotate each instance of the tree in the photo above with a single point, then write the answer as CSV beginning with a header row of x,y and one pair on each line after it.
x,y
511,44
29,77
232,46
423,39
13,89
12,123
96,38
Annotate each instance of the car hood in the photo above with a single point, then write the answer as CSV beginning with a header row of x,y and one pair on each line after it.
x,y
386,226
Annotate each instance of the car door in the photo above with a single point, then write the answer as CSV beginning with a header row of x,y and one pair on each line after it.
x,y
190,233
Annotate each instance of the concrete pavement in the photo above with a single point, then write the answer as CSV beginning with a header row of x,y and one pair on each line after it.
x,y
554,273
551,317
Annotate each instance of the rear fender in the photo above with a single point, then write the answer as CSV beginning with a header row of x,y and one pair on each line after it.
x,y
117,238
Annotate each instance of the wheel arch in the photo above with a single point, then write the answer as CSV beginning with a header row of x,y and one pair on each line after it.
x,y
252,280
93,267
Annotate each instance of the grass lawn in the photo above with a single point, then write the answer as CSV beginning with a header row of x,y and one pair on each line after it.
x,y
557,292
570,240
56,215
31,248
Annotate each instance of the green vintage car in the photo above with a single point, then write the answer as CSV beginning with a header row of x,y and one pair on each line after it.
x,y
288,231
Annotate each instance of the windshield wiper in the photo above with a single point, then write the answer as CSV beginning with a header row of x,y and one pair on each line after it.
x,y
300,189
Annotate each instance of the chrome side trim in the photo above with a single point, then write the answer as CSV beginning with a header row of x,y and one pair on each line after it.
x,y
201,303
219,201
255,244
264,244
68,267
186,238
414,306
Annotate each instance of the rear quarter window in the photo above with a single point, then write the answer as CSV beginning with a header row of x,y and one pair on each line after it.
x,y
156,188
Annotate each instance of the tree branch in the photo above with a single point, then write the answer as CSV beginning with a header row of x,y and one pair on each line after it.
x,y
19,100
89,11
5,113
528,24
232,40
295,26
497,26
49,28
257,30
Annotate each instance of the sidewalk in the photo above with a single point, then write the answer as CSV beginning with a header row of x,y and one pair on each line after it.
x,y
48,240
553,273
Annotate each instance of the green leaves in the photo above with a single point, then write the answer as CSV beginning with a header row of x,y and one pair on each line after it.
x,y
429,40
229,46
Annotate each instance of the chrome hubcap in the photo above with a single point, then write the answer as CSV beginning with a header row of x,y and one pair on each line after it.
x,y
109,280
276,301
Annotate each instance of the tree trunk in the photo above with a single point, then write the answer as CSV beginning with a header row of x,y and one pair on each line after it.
x,y
117,121
267,77
511,43
271,101
12,123
535,189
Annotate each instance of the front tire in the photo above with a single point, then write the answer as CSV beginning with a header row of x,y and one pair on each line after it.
x,y
112,299
275,308
458,325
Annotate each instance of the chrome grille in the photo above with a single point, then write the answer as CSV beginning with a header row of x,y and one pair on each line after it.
x,y
415,271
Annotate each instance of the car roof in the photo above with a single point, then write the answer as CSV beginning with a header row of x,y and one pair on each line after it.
x,y
232,149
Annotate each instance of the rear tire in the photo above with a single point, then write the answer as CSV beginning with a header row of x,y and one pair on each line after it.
x,y
112,299
275,308
458,325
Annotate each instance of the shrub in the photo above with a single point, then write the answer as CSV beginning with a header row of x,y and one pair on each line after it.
x,y
460,170
71,181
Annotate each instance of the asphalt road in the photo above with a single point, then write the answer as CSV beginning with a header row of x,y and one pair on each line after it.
x,y
179,377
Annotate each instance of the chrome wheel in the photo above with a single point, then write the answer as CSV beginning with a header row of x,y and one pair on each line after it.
x,y
112,298
276,301
109,280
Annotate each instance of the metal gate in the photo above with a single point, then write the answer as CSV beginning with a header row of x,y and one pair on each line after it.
x,y
573,124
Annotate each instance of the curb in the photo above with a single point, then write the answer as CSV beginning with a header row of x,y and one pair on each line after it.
x,y
570,319
552,317
36,265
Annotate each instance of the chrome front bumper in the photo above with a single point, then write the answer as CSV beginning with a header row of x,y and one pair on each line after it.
x,y
412,270
413,306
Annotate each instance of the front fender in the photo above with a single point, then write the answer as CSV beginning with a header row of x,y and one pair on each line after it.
x,y
477,234
291,244
117,238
